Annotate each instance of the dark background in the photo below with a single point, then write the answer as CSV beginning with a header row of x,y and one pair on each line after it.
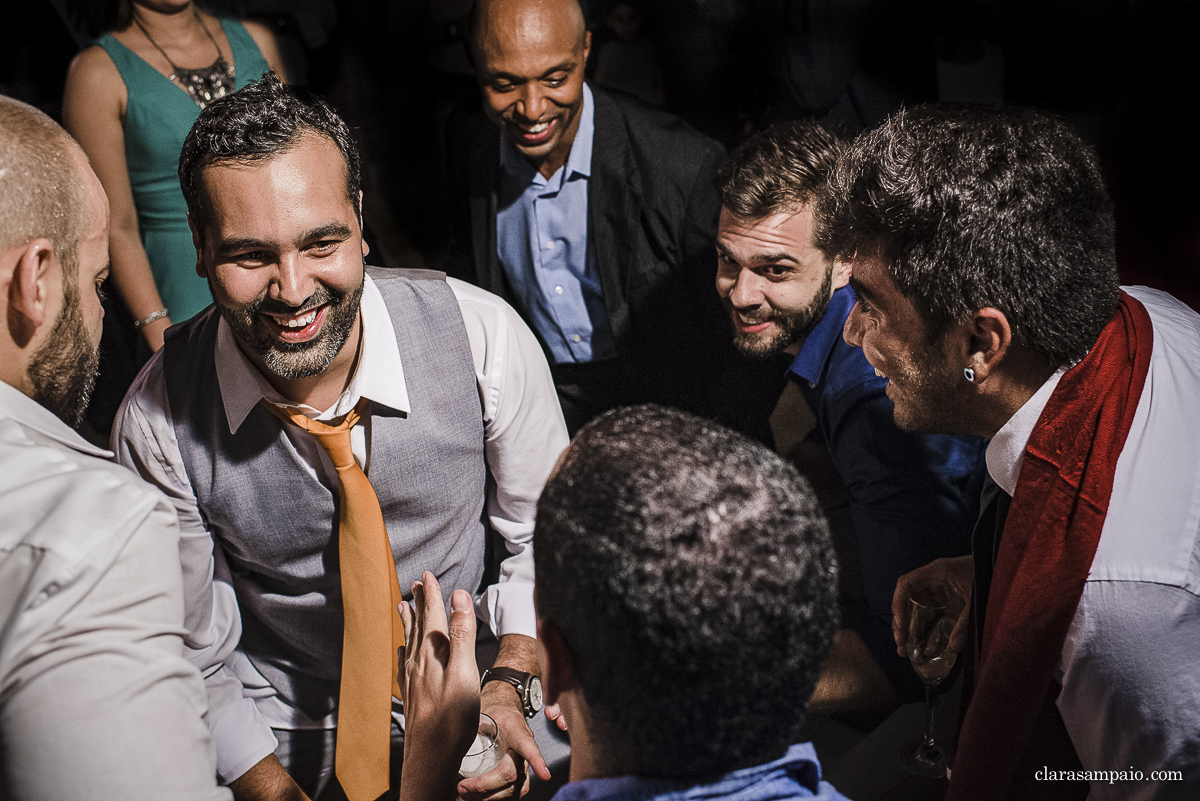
x,y
1125,73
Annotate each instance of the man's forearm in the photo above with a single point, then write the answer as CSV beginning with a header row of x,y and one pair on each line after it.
x,y
518,652
267,781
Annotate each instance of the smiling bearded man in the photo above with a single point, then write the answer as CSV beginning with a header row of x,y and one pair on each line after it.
x,y
333,432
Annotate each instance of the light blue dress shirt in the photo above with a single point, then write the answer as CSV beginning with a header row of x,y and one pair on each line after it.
x,y
542,241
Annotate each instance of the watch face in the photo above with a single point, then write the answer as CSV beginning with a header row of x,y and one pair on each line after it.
x,y
535,693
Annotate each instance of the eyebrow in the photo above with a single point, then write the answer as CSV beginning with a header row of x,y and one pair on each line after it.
x,y
862,291
565,66
334,230
761,258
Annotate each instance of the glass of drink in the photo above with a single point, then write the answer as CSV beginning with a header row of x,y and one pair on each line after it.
x,y
932,616
484,752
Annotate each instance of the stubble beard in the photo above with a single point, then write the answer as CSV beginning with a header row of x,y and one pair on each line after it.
x,y
63,373
293,360
790,328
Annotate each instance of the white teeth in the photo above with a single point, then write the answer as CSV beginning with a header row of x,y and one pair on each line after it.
x,y
541,126
301,322
881,375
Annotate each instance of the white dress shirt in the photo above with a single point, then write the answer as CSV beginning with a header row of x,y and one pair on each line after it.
x,y
1130,667
96,699
524,433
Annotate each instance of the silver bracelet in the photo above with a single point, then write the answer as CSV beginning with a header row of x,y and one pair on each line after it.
x,y
149,318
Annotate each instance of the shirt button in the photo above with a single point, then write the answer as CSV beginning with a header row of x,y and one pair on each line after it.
x,y
549,245
558,290
577,338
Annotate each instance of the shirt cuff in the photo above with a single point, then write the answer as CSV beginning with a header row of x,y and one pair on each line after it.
x,y
242,738
509,607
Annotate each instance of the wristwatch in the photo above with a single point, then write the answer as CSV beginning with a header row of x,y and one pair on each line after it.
x,y
529,687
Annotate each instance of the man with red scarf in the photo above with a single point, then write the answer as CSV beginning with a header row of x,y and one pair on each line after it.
x,y
982,248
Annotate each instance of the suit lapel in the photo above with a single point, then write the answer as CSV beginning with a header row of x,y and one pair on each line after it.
x,y
613,211
485,173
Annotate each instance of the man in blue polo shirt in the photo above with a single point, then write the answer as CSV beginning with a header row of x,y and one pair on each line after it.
x,y
907,496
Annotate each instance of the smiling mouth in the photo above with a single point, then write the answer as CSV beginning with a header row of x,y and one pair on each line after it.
x,y
535,134
750,324
296,327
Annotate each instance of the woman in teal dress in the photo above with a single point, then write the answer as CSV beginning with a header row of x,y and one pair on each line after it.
x,y
130,100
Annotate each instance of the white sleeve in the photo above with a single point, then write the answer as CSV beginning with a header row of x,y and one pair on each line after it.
x,y
1131,691
525,434
144,441
99,704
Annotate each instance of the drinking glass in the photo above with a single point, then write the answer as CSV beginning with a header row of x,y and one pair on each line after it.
x,y
933,613
484,753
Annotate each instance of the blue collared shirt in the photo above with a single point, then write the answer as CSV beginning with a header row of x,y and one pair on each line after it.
x,y
542,241
796,774
913,497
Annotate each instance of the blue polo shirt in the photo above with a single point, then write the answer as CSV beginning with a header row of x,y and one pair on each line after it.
x,y
542,242
913,497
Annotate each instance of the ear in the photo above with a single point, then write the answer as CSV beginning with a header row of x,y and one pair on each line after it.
x,y
365,247
558,663
198,244
31,288
587,45
842,270
984,341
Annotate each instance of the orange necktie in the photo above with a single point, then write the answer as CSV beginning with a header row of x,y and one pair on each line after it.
x,y
373,631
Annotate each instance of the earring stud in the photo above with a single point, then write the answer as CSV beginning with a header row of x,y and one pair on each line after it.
x,y
969,374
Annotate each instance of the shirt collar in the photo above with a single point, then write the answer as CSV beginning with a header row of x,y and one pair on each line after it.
x,y
1005,451
800,763
579,161
379,375
820,342
31,414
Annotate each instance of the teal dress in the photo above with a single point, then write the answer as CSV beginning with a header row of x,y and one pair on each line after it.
x,y
158,117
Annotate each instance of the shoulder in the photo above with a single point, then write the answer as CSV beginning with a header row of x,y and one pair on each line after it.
x,y
64,501
485,314
94,74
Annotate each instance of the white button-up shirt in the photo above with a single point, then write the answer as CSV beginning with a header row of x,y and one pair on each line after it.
x,y
1130,667
96,699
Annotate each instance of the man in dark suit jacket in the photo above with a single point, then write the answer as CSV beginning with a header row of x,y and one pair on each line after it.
x,y
595,215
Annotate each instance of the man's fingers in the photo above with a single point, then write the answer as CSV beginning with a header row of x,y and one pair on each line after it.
x,y
958,637
462,634
435,611
496,783
523,743
554,713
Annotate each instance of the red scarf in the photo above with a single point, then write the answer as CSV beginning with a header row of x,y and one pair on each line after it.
x,y
1046,551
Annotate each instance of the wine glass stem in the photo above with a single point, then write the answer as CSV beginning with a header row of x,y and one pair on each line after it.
x,y
930,698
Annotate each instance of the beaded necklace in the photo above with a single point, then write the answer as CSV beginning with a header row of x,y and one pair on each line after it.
x,y
204,84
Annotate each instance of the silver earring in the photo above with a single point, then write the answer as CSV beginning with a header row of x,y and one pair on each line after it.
x,y
969,374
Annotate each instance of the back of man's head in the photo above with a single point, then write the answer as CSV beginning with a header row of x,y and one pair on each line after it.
x,y
691,575
41,191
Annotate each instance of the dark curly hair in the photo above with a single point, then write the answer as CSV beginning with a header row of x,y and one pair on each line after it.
x,y
692,576
972,206
256,123
778,169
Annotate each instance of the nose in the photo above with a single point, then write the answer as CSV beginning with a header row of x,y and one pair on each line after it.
x,y
746,291
532,103
852,330
293,284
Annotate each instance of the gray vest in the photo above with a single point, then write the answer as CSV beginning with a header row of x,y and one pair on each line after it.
x,y
277,525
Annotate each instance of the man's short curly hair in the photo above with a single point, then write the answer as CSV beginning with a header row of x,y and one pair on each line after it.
x,y
972,206
778,170
692,576
257,123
